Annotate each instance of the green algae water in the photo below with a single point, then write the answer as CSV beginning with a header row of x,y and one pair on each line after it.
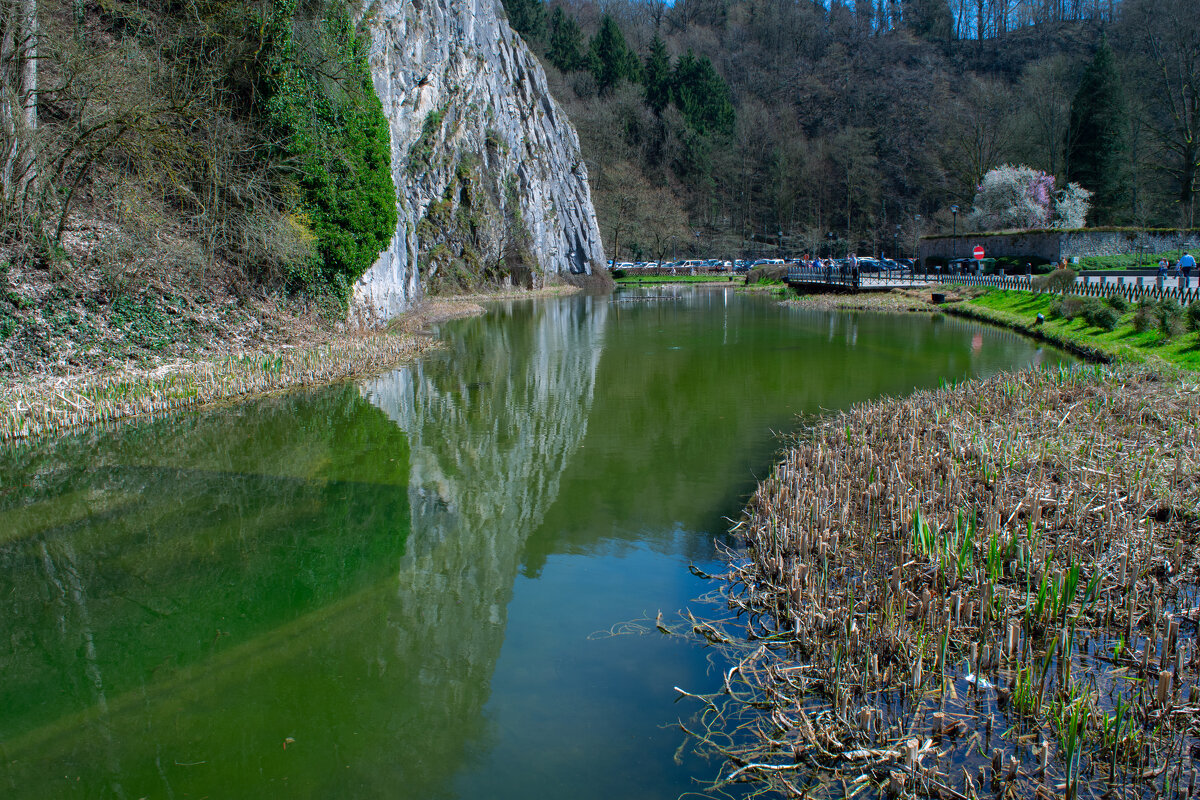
x,y
421,585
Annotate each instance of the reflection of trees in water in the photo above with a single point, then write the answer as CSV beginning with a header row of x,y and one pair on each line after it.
x,y
489,440
181,596
146,576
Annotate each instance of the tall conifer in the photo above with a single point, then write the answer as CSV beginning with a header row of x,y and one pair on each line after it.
x,y
566,42
702,95
932,20
527,17
610,59
658,78
1096,147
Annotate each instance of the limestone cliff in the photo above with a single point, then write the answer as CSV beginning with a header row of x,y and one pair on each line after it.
x,y
490,183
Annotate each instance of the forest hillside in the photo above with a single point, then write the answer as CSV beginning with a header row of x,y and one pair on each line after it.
x,y
776,126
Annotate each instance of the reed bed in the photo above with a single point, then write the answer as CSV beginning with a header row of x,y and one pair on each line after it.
x,y
890,301
987,589
30,409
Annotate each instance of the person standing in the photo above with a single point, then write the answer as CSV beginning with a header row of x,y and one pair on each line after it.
x,y
1185,269
1162,271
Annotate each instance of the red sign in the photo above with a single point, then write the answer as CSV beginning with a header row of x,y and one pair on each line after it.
x,y
979,254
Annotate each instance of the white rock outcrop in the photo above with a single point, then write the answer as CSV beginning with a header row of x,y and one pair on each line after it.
x,y
456,82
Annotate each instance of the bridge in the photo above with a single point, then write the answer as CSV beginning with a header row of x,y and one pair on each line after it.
x,y
843,280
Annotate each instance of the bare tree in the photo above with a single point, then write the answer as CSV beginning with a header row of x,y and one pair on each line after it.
x,y
1166,36
979,135
1045,94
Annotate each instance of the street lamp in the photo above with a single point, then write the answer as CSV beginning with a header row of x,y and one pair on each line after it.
x,y
830,236
916,243
780,241
697,242
896,243
954,238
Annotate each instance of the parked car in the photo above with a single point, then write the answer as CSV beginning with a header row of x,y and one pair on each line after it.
x,y
969,266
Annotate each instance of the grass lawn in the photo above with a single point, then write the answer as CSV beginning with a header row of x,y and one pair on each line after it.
x,y
1020,309
633,280
1129,260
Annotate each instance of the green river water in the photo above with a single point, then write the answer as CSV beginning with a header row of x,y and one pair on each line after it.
x,y
409,586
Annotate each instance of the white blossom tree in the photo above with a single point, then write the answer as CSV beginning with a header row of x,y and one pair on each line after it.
x,y
1020,197
1071,206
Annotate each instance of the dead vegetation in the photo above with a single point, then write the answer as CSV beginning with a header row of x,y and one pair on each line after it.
x,y
989,589
54,404
917,298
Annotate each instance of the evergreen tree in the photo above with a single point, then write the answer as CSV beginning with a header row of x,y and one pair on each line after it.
x,y
527,17
657,76
610,59
930,19
1096,146
702,95
566,42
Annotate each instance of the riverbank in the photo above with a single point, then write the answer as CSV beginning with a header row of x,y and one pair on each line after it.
x,y
47,404
917,299
988,585
1154,344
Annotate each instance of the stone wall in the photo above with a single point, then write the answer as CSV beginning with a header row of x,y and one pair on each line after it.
x,y
1053,245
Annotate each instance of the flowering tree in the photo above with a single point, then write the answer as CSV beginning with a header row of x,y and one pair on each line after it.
x,y
1023,197
1071,206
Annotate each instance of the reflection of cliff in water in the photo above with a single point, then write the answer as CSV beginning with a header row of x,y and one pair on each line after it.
x,y
491,430
184,597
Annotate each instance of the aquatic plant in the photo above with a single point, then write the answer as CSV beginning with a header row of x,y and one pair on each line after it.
x,y
923,567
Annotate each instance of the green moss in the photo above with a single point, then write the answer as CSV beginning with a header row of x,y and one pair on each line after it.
x,y
421,152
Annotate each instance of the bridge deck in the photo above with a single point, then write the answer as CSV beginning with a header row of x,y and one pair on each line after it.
x,y
838,280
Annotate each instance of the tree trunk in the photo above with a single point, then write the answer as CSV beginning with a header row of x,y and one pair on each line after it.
x,y
18,105
9,96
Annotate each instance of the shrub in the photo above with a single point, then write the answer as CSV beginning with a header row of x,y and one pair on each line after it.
x,y
1170,318
1147,317
1068,308
1193,316
618,274
334,137
1058,281
1118,303
1101,315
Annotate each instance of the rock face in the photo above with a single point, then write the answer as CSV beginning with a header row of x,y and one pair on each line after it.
x,y
490,183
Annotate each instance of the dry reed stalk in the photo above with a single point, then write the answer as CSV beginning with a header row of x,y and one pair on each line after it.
x,y
29,410
1051,503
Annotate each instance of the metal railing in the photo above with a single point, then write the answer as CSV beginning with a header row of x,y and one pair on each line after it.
x,y
1090,286
827,276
